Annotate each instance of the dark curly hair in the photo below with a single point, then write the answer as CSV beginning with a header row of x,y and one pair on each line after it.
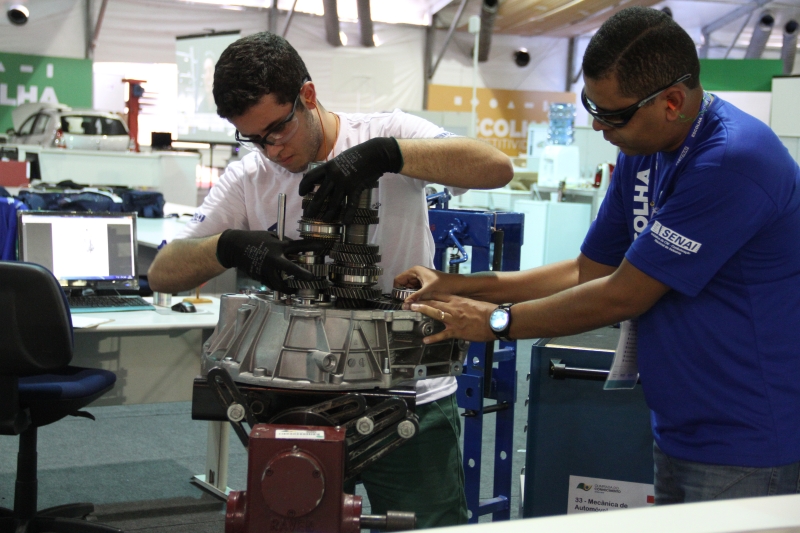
x,y
263,63
645,49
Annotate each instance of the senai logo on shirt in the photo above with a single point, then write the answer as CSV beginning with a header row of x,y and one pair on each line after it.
x,y
673,241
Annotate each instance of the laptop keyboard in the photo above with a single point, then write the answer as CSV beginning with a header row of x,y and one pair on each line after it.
x,y
92,302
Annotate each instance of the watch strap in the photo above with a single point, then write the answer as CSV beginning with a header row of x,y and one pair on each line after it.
x,y
503,334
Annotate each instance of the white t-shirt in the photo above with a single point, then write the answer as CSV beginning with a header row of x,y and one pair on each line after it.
x,y
246,197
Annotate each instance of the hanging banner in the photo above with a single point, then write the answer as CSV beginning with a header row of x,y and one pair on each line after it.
x,y
503,115
196,56
39,79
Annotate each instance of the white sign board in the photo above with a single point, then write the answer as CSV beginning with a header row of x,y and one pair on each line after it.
x,y
593,495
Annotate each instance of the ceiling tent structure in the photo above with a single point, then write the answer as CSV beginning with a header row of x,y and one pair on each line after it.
x,y
416,49
722,28
717,23
721,19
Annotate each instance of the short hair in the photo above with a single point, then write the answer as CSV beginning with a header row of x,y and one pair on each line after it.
x,y
254,66
645,49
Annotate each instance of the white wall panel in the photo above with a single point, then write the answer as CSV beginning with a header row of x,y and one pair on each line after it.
x,y
349,78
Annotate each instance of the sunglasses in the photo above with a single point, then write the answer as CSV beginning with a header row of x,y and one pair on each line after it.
x,y
618,119
276,135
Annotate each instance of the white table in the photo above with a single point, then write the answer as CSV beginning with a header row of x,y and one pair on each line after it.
x,y
156,356
776,514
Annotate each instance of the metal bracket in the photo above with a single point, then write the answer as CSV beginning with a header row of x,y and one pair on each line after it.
x,y
229,395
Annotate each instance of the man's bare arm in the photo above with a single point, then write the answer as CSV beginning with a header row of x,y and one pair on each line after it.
x,y
456,162
541,282
502,287
626,293
185,264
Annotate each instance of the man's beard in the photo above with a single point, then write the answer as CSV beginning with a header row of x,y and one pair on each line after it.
x,y
307,152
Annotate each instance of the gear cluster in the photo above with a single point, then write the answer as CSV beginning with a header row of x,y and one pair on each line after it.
x,y
349,280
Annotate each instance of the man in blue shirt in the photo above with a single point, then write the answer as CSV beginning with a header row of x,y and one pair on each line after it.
x,y
697,240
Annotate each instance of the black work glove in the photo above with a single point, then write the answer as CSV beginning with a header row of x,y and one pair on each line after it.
x,y
263,256
348,175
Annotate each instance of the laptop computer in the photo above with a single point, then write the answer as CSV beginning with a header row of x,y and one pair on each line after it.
x,y
93,255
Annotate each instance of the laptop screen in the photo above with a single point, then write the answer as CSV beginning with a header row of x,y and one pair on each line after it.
x,y
82,250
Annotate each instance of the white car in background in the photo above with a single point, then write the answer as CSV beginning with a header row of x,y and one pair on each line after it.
x,y
60,126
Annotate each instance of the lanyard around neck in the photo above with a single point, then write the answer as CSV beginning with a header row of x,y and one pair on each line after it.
x,y
666,179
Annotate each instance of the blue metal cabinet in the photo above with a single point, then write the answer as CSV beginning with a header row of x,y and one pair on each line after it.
x,y
577,428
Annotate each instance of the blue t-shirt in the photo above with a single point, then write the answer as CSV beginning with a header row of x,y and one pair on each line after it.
x,y
719,354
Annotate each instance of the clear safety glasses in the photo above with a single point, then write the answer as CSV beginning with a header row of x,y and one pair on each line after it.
x,y
276,135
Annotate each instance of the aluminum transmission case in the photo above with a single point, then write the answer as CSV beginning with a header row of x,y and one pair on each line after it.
x,y
299,345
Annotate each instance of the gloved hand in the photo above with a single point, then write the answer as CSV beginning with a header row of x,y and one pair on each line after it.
x,y
349,174
263,256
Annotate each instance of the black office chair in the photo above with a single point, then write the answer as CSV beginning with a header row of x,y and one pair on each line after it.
x,y
37,387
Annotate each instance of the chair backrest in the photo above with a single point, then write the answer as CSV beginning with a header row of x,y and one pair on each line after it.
x,y
35,323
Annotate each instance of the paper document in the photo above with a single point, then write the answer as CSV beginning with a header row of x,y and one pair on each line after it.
x,y
83,322
624,372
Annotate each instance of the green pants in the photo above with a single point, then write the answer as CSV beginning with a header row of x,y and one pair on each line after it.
x,y
425,475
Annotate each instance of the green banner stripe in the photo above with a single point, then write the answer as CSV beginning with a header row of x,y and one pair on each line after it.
x,y
739,74
27,78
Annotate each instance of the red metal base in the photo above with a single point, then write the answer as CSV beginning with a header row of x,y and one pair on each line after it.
x,y
295,482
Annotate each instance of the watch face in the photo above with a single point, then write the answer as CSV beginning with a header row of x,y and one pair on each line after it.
x,y
498,320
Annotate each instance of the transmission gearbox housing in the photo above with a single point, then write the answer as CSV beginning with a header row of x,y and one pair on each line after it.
x,y
289,344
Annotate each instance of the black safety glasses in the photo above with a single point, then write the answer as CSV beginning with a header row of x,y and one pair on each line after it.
x,y
618,119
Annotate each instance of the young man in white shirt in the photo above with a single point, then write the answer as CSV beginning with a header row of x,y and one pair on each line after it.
x,y
262,86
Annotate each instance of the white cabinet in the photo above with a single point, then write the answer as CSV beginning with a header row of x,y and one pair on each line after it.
x,y
785,113
553,231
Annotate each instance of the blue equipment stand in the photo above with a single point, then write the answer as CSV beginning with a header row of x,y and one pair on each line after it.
x,y
488,373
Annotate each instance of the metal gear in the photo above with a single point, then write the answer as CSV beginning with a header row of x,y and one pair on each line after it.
x,y
366,213
343,270
318,284
320,237
319,270
355,259
387,304
364,221
346,303
401,293
353,293
355,248
319,228
330,242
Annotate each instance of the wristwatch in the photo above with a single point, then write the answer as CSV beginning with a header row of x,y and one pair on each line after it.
x,y
500,322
